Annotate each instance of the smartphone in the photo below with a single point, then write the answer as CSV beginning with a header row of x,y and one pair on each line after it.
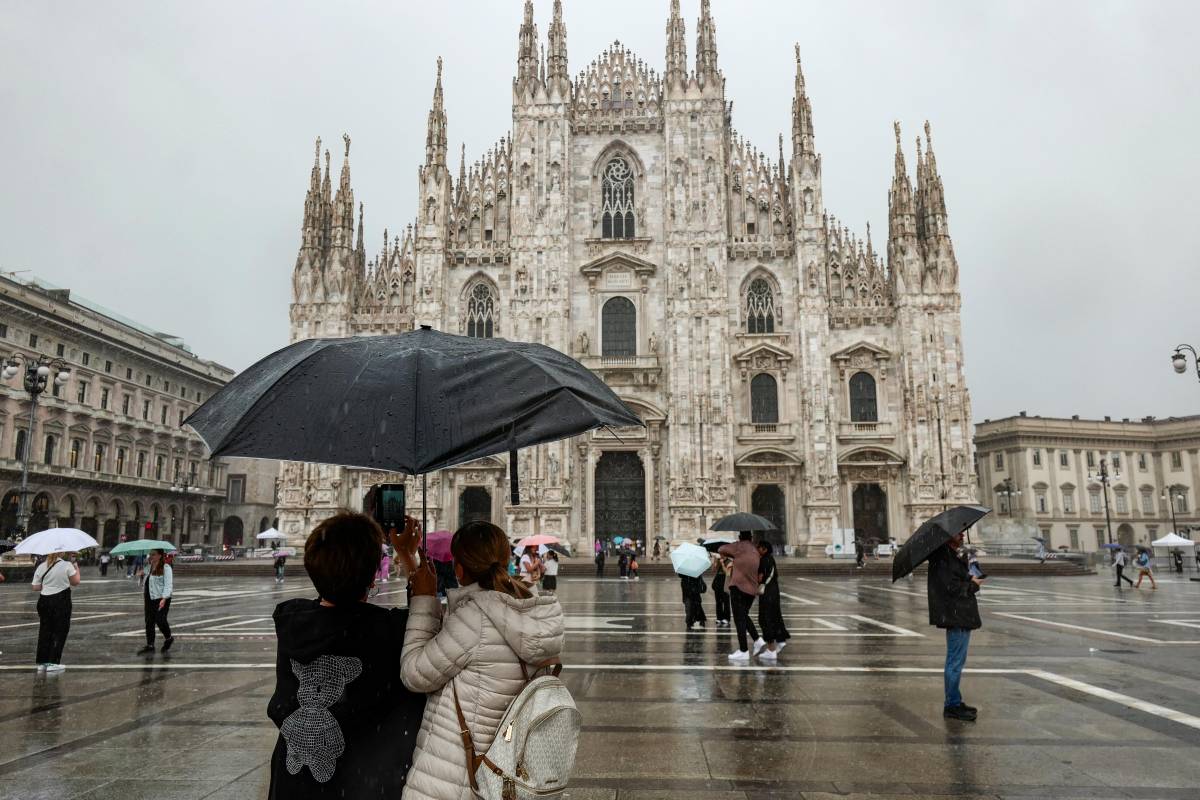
x,y
389,505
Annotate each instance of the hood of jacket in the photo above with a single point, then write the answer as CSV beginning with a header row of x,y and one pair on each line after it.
x,y
532,627
306,629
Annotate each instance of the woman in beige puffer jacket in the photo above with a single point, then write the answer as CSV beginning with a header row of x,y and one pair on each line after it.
x,y
490,626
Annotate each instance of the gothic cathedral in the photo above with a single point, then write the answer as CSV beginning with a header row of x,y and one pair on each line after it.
x,y
780,367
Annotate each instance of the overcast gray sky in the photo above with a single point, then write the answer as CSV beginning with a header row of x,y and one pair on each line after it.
x,y
157,154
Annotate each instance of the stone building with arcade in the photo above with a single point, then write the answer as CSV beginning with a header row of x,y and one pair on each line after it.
x,y
780,362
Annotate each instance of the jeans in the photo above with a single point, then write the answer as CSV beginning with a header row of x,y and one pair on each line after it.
x,y
54,612
741,603
957,640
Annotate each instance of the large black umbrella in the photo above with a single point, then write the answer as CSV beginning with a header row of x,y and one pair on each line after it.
x,y
6,545
933,534
413,402
742,521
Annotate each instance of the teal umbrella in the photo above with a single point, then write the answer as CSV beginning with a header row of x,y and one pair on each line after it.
x,y
690,559
141,547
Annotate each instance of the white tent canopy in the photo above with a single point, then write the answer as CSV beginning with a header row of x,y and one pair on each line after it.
x,y
1173,540
271,533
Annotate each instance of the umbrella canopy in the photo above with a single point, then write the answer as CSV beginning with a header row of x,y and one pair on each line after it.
x,y
742,521
271,533
618,539
713,543
1173,540
140,547
286,552
556,547
411,402
1143,548
437,546
55,540
539,539
690,559
1038,539
1111,546
6,545
933,534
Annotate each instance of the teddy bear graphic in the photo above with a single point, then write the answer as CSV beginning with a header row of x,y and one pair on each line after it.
x,y
311,732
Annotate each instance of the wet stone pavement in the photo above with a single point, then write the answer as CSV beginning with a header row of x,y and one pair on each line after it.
x,y
1084,692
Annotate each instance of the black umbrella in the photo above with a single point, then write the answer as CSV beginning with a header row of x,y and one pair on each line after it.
x,y
742,521
933,534
6,545
413,402
558,548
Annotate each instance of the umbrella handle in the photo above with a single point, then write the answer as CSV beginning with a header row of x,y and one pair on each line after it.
x,y
514,489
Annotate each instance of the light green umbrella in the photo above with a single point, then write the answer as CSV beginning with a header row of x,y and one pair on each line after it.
x,y
141,547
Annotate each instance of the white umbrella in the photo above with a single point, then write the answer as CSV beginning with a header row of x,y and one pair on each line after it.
x,y
1173,540
55,540
271,533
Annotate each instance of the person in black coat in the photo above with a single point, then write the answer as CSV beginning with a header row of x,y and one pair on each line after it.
x,y
693,607
600,563
952,606
770,609
347,724
720,594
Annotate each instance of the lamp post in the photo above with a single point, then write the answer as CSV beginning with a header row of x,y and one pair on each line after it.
x,y
37,377
1169,496
1104,478
1179,360
1009,490
183,487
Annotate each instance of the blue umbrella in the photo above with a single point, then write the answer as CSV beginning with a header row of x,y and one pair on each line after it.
x,y
1111,546
690,559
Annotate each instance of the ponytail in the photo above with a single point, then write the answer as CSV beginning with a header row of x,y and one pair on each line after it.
x,y
481,550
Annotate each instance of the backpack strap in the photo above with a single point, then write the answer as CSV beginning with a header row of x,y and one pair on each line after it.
x,y
553,665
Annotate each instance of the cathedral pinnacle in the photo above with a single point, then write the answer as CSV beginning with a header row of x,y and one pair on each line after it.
x,y
803,141
706,46
527,47
435,136
676,47
556,67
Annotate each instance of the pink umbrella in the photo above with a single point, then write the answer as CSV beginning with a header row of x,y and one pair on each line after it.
x,y
534,541
437,545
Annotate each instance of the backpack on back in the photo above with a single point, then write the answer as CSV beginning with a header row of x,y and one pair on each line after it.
x,y
533,753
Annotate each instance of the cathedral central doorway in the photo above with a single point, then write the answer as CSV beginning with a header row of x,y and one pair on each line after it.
x,y
870,512
768,501
620,496
474,505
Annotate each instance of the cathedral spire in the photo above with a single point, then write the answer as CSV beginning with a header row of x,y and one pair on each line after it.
x,y
556,68
435,136
343,202
706,46
326,206
462,173
359,246
527,47
803,143
310,230
676,47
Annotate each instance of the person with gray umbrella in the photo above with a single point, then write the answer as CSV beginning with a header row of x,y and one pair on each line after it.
x,y
743,588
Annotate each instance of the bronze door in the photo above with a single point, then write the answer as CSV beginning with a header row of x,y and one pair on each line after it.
x,y
620,496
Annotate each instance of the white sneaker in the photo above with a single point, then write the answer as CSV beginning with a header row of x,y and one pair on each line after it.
x,y
759,645
768,655
740,656
41,667
779,646
54,668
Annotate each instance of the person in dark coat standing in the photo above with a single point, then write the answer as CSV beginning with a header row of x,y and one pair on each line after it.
x,y
693,607
952,606
600,563
720,575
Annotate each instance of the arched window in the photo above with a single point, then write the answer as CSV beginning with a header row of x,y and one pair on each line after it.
x,y
760,307
19,450
481,312
863,407
619,328
51,446
617,200
764,400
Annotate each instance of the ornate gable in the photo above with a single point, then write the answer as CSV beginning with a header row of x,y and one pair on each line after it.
x,y
618,271
862,355
763,356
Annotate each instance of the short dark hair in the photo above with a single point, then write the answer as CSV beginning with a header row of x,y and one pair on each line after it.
x,y
745,536
342,556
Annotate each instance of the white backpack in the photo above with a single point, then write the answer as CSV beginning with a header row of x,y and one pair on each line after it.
x,y
534,750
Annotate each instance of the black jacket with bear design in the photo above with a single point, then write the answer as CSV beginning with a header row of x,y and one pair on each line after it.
x,y
348,727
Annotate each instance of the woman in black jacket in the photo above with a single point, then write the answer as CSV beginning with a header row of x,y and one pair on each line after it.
x,y
770,609
693,608
952,606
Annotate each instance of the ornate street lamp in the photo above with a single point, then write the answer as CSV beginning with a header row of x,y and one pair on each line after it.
x,y
1179,360
1104,478
1009,490
37,377
1169,495
183,486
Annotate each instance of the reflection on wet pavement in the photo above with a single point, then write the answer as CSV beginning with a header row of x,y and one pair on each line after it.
x,y
1083,691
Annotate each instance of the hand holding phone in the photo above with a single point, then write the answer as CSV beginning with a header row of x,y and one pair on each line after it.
x,y
406,543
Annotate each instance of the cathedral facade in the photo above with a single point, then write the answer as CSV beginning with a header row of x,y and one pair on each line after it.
x,y
780,363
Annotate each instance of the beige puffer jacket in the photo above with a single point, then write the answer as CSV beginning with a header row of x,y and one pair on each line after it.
x,y
477,644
